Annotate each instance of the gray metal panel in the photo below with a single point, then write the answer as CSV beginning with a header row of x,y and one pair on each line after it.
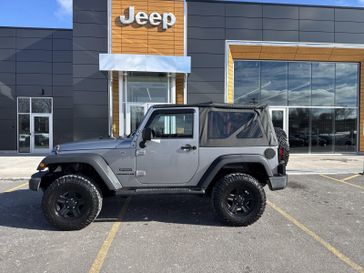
x,y
88,71
90,30
200,21
244,22
62,68
244,34
63,34
63,91
62,56
7,66
7,54
284,36
34,55
278,11
349,27
7,32
206,46
62,80
34,67
323,26
7,42
324,37
208,60
280,24
207,74
206,87
89,5
90,43
206,33
88,127
34,79
34,90
7,78
316,13
349,15
34,43
206,8
346,37
198,98
90,98
91,111
62,44
85,57
98,17
83,84
34,33
241,9
64,103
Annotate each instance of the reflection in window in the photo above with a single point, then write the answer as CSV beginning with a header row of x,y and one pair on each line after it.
x,y
247,82
346,84
144,88
299,83
172,125
274,83
23,105
299,130
41,105
322,130
323,83
345,130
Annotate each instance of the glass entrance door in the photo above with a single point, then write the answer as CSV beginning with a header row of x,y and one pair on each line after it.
x,y
40,139
279,118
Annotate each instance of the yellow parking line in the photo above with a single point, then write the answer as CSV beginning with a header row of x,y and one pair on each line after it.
x,y
100,258
350,177
317,238
342,181
17,187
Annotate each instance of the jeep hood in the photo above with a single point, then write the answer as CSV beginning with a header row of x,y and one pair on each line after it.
x,y
95,144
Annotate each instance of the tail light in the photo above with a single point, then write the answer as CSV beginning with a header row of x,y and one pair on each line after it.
x,y
281,153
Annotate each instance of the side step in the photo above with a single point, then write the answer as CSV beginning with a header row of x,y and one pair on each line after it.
x,y
160,191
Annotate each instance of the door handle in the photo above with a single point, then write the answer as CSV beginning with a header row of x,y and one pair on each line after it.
x,y
188,148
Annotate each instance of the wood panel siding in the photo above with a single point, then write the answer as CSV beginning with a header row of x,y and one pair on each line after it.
x,y
115,104
180,88
306,53
230,79
147,39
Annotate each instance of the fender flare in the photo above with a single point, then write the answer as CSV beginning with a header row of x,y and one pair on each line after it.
x,y
95,161
223,160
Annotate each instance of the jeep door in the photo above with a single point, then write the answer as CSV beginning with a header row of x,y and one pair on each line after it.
x,y
171,156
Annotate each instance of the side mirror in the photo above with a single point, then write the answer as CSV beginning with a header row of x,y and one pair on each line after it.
x,y
146,136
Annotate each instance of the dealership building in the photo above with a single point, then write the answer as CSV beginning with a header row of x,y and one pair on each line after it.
x,y
123,56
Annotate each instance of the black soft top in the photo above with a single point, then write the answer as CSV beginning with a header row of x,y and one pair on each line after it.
x,y
214,105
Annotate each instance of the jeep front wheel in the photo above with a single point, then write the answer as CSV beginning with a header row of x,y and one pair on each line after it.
x,y
71,202
238,199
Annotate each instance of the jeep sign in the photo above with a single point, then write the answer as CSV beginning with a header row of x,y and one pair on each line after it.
x,y
155,19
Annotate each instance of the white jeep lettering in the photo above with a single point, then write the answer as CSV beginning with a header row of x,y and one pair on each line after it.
x,y
167,19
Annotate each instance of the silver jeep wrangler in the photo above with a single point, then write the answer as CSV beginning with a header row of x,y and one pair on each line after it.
x,y
224,151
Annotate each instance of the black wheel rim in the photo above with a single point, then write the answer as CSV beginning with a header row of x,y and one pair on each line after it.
x,y
240,201
70,205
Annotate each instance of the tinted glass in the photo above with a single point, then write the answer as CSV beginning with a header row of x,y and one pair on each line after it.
x,y
247,82
40,105
323,84
299,130
274,83
322,130
224,124
23,105
346,84
277,118
345,130
24,133
299,83
147,88
172,125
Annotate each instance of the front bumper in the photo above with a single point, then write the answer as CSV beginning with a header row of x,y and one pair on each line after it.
x,y
278,182
35,180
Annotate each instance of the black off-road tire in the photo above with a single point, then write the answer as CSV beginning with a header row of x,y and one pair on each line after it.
x,y
222,192
76,187
283,142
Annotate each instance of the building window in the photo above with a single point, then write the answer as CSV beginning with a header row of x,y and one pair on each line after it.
x,y
321,99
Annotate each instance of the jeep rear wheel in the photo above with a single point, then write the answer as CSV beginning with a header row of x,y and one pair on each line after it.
x,y
71,202
238,199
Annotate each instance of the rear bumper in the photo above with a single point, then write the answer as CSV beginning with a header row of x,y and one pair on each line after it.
x,y
278,182
35,180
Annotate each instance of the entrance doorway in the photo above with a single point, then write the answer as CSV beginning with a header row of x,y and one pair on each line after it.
x,y
35,125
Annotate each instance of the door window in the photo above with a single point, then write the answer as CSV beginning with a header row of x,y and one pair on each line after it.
x,y
172,125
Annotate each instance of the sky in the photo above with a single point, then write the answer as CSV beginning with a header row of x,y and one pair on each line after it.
x,y
58,13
